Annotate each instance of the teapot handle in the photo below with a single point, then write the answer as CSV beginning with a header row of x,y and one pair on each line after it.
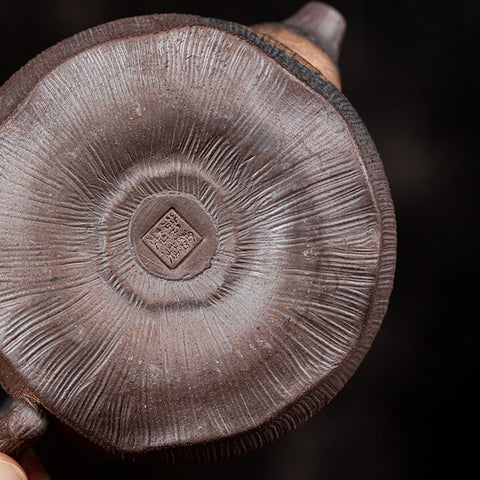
x,y
21,426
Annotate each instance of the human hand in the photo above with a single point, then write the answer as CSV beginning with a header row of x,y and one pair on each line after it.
x,y
29,468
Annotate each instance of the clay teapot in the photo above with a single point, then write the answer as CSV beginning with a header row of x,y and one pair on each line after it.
x,y
197,238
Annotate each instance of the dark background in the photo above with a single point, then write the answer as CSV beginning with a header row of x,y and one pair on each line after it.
x,y
408,67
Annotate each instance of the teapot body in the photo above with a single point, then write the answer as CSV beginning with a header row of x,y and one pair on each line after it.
x,y
197,237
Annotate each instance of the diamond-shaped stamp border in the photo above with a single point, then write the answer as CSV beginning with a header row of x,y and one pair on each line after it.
x,y
172,239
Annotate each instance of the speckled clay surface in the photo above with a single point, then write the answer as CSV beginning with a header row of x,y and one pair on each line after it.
x,y
206,332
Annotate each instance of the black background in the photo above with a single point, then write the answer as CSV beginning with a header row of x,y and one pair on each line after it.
x,y
408,67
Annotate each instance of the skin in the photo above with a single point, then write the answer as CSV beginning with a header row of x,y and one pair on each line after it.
x,y
29,468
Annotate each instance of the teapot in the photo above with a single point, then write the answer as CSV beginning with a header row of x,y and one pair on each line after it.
x,y
197,236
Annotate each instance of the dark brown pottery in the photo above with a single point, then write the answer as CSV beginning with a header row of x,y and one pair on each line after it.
x,y
197,238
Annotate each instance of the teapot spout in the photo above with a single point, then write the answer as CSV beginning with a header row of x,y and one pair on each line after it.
x,y
322,22
313,36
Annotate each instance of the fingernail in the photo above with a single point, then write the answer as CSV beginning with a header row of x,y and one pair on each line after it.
x,y
10,471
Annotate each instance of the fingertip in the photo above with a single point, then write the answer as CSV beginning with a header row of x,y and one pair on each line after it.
x,y
10,469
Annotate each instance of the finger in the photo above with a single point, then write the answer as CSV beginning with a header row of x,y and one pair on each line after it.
x,y
33,467
10,469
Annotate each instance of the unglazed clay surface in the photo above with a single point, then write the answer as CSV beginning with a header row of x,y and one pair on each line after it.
x,y
197,240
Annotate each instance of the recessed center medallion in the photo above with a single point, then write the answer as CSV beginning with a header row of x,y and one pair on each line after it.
x,y
172,239
173,236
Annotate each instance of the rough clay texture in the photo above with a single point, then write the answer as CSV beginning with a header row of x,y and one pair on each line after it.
x,y
225,361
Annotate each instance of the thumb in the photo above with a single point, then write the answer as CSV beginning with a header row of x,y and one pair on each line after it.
x,y
10,469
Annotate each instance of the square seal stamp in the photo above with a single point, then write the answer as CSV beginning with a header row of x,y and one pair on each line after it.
x,y
171,239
